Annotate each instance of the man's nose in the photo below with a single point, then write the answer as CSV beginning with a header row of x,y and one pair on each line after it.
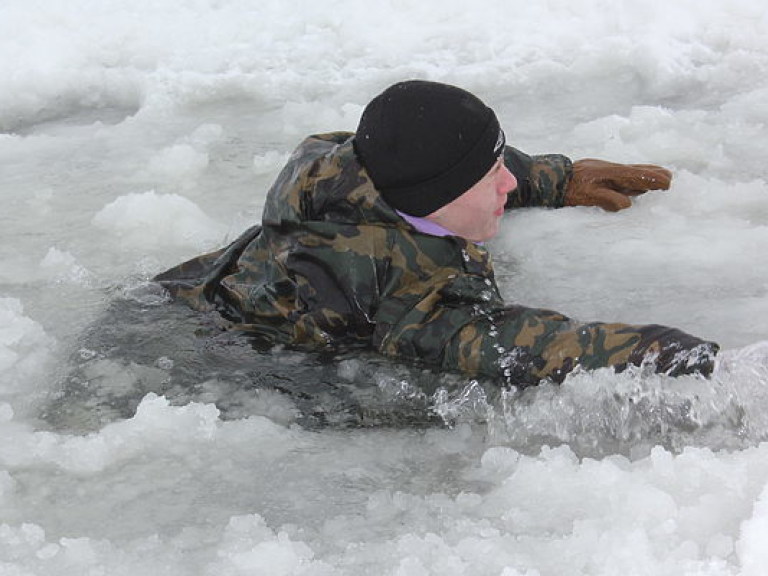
x,y
507,182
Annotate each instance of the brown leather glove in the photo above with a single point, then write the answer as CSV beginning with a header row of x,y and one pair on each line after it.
x,y
609,185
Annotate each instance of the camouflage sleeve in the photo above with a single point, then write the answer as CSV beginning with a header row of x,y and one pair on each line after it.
x,y
523,346
542,179
196,281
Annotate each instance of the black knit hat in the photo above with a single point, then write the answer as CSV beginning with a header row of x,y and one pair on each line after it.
x,y
425,143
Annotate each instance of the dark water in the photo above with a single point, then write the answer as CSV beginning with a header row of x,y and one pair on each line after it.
x,y
144,344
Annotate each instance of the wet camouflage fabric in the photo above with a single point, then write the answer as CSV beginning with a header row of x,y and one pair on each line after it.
x,y
334,267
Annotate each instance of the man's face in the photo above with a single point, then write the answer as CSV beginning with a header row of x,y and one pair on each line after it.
x,y
475,215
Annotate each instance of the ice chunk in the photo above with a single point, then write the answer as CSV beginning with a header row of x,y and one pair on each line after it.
x,y
61,266
250,547
148,219
25,348
269,162
753,535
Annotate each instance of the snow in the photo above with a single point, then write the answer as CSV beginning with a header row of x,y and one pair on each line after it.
x,y
134,135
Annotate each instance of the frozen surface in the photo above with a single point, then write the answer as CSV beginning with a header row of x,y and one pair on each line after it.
x,y
134,135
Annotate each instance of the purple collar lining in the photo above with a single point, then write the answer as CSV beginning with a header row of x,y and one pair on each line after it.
x,y
425,226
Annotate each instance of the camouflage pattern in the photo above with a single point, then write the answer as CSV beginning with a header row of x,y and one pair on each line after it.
x,y
333,267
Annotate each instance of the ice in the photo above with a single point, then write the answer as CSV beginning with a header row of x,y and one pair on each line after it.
x,y
250,547
25,353
753,532
61,266
179,161
148,219
134,135
269,163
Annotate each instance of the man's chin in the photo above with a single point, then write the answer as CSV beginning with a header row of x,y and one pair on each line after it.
x,y
487,236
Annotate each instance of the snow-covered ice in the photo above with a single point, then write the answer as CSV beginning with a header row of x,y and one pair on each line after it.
x,y
134,135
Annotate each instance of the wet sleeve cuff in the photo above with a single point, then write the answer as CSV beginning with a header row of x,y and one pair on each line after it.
x,y
542,179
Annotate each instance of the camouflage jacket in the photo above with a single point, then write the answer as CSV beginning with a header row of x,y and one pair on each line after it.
x,y
332,266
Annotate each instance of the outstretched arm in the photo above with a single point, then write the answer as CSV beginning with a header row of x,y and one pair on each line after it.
x,y
523,346
552,180
464,326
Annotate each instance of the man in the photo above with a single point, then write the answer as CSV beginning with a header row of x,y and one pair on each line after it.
x,y
374,240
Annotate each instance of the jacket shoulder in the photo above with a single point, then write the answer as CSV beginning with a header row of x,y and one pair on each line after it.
x,y
323,181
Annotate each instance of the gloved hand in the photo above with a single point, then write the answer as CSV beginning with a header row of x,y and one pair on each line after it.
x,y
673,351
609,185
